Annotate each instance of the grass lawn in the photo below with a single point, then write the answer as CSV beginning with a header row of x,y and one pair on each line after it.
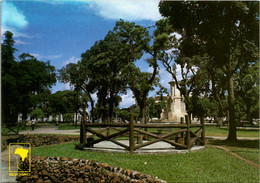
x,y
4,129
248,149
208,165
223,132
67,126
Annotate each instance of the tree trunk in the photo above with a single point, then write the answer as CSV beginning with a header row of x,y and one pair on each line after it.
x,y
76,122
83,137
232,135
111,106
142,113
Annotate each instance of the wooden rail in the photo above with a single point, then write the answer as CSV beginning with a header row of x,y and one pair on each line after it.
x,y
11,127
183,137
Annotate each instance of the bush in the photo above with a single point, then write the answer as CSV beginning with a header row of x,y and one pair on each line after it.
x,y
68,117
37,114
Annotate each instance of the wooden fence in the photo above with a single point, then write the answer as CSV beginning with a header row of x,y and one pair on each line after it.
x,y
9,128
183,135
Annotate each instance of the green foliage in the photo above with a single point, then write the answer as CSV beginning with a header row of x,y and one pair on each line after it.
x,y
37,114
227,32
155,107
124,114
204,107
22,81
66,101
247,92
68,117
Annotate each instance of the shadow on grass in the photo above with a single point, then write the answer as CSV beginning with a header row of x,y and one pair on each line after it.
x,y
239,143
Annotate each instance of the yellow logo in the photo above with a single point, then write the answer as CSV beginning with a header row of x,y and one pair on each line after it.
x,y
19,159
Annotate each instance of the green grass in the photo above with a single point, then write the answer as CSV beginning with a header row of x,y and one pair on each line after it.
x,y
248,149
223,132
68,127
208,165
4,129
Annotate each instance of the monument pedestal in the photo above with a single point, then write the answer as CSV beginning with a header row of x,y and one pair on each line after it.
x,y
176,107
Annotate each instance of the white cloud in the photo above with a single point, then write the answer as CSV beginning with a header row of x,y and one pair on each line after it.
x,y
52,57
18,41
12,17
14,31
127,100
131,10
70,60
48,57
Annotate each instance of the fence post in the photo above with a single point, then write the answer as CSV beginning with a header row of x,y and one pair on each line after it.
x,y
188,131
203,130
131,135
182,122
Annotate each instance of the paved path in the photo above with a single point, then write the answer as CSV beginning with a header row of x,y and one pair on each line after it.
x,y
5,167
158,147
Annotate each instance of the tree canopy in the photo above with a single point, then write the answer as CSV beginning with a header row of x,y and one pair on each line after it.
x,y
21,80
227,32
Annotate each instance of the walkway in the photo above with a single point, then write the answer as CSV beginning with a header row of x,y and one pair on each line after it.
x,y
156,148
5,167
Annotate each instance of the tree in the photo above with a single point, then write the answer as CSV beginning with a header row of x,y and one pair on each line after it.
x,y
136,40
78,76
106,57
21,80
247,91
226,31
68,117
141,86
37,113
33,77
9,87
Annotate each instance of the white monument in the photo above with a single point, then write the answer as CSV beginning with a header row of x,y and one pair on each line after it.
x,y
175,106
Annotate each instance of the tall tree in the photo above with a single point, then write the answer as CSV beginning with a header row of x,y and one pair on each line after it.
x,y
9,86
136,41
77,75
21,80
33,77
227,32
247,90
106,56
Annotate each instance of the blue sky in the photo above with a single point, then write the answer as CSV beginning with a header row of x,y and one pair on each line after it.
x,y
59,31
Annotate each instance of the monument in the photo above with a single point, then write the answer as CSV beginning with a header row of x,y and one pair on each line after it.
x,y
175,108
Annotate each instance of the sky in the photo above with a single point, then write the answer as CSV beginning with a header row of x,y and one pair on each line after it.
x,y
60,31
